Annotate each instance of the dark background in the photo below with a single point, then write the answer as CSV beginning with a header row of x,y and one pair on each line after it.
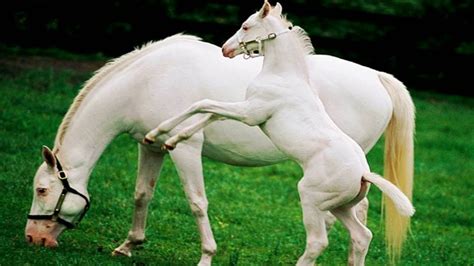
x,y
427,44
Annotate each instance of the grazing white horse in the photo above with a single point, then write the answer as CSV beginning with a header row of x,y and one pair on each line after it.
x,y
141,89
281,102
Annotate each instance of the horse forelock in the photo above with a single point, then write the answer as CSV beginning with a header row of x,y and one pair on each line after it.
x,y
108,68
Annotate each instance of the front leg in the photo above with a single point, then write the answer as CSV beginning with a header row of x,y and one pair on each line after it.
x,y
167,125
189,131
148,172
249,112
187,159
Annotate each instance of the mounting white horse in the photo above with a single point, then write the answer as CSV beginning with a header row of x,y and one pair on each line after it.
x,y
139,90
336,175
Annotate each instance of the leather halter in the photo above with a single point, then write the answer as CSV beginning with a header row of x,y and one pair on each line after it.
x,y
62,176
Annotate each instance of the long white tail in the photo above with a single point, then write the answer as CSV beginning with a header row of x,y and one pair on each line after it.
x,y
401,202
398,162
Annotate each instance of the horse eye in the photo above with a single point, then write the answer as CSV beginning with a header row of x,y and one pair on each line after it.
x,y
41,190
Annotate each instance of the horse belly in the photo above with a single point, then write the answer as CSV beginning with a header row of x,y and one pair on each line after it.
x,y
235,143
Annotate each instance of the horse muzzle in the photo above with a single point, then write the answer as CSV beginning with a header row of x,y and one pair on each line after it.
x,y
228,52
43,233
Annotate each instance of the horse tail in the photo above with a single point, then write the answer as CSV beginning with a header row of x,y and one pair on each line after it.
x,y
401,202
398,161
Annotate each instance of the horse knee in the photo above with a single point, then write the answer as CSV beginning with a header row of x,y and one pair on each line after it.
x,y
184,136
209,248
142,198
199,207
315,247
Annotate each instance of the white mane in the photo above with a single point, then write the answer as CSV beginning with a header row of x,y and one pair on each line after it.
x,y
110,67
303,37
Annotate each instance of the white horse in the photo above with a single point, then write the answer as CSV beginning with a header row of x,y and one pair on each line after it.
x,y
281,102
143,88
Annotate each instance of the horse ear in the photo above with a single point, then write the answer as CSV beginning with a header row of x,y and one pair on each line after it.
x,y
277,10
48,157
265,10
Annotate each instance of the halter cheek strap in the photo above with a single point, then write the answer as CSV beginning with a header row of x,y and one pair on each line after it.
x,y
62,176
259,40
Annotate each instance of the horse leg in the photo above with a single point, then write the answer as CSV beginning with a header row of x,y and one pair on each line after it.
x,y
167,125
189,131
149,167
329,221
187,159
243,111
314,222
361,212
359,233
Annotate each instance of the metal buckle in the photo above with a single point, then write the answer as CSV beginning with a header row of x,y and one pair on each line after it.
x,y
272,36
62,175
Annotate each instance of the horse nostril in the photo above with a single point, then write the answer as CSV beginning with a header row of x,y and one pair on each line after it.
x,y
30,238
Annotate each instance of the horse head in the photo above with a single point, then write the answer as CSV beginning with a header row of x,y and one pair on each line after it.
x,y
259,27
57,203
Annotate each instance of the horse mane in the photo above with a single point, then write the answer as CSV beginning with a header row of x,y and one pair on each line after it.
x,y
111,66
302,35
305,40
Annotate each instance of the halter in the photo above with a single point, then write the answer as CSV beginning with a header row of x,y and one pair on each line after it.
x,y
259,40
62,176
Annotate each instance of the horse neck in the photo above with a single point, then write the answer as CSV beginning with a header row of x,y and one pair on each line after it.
x,y
95,124
284,55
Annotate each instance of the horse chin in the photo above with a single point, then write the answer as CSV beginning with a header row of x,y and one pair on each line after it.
x,y
43,233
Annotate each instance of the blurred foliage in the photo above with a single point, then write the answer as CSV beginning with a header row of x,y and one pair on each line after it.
x,y
12,51
399,36
57,23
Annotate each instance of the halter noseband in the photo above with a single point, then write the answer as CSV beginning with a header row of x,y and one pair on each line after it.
x,y
259,40
62,176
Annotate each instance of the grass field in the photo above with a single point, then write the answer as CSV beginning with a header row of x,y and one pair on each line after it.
x,y
255,212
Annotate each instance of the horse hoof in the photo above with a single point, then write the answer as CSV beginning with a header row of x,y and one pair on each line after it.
x,y
147,140
119,253
168,147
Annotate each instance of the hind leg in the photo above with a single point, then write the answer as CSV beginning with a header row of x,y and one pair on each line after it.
x,y
359,233
314,222
361,211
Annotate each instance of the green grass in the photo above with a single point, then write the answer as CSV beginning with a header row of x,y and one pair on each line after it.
x,y
254,212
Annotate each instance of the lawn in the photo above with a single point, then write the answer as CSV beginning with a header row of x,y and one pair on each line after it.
x,y
254,212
